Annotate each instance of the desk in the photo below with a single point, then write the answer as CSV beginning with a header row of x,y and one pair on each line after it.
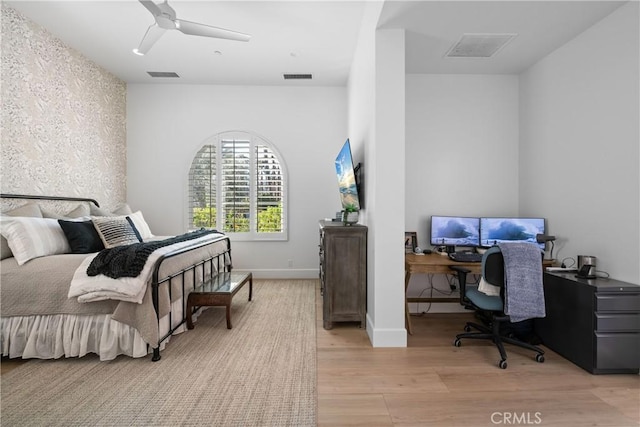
x,y
435,264
432,263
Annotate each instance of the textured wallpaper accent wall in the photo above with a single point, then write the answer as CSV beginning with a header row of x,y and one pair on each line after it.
x,y
63,128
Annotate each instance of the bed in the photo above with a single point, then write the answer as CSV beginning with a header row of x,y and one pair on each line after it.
x,y
39,319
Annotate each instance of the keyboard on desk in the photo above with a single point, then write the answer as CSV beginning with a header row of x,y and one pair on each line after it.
x,y
465,256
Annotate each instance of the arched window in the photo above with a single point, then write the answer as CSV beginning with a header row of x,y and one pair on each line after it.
x,y
237,185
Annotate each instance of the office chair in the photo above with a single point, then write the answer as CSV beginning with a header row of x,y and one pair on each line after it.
x,y
490,308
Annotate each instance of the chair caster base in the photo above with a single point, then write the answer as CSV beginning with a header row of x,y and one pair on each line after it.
x,y
539,358
503,364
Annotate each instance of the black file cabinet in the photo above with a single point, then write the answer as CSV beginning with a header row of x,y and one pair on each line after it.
x,y
594,323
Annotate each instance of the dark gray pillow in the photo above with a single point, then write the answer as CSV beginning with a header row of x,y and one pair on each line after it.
x,y
82,236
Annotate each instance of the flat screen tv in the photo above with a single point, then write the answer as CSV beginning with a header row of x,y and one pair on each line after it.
x,y
347,178
498,230
455,231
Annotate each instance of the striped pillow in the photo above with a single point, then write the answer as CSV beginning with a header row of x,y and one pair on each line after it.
x,y
31,238
31,210
115,231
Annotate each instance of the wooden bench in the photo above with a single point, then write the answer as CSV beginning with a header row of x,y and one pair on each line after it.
x,y
218,292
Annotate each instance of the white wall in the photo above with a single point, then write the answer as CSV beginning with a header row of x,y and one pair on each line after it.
x,y
167,124
462,147
369,94
387,216
579,160
461,156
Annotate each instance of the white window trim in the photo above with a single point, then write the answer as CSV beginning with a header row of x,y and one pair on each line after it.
x,y
253,138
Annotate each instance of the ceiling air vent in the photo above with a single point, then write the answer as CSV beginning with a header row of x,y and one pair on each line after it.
x,y
163,74
479,45
297,76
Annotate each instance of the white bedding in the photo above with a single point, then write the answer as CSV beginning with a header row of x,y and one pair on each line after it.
x,y
131,289
39,321
70,335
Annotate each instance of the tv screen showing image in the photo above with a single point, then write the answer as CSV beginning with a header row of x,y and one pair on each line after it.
x,y
498,230
347,178
455,231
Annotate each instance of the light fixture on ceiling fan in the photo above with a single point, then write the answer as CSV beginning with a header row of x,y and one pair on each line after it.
x,y
166,19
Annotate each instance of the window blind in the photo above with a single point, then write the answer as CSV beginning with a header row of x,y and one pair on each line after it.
x,y
269,191
202,188
237,186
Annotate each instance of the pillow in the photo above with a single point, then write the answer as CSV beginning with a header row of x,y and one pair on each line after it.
x,y
79,211
31,238
28,210
82,236
31,210
124,209
115,231
96,211
141,225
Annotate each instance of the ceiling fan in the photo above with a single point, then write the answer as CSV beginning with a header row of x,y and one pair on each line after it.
x,y
166,19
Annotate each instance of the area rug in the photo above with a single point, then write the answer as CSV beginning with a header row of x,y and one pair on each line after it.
x,y
260,373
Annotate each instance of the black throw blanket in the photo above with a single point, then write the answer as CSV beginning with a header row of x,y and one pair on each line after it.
x,y
129,260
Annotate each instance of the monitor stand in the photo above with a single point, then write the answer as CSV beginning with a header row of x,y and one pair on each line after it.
x,y
450,249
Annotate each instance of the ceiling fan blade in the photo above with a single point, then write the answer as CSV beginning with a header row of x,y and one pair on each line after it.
x,y
151,7
195,29
151,36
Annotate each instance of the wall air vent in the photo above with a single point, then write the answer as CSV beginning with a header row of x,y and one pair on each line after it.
x,y
479,45
163,74
297,76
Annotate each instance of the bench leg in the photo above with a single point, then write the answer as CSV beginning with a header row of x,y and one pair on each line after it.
x,y
228,305
189,313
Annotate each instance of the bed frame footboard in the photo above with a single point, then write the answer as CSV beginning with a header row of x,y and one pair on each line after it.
x,y
216,263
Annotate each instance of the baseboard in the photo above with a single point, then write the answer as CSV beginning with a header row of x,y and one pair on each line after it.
x,y
384,337
287,273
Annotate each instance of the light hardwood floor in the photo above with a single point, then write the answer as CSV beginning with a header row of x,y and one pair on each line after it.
x,y
433,383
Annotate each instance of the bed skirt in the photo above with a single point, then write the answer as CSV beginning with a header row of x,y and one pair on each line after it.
x,y
69,335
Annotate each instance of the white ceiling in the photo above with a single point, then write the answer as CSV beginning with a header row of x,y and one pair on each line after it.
x,y
322,34
317,37
542,26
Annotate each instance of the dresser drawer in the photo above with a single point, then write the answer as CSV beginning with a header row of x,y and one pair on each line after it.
x,y
617,351
617,302
614,322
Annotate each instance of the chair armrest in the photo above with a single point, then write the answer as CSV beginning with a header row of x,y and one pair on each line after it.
x,y
462,281
460,269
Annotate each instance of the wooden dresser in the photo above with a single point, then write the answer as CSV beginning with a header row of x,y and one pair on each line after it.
x,y
343,273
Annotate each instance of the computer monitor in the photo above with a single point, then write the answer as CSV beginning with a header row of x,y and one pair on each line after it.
x,y
498,230
455,231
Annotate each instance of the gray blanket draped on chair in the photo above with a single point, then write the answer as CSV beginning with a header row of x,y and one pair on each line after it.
x,y
524,293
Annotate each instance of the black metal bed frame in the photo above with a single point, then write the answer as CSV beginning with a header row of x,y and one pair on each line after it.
x,y
219,260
